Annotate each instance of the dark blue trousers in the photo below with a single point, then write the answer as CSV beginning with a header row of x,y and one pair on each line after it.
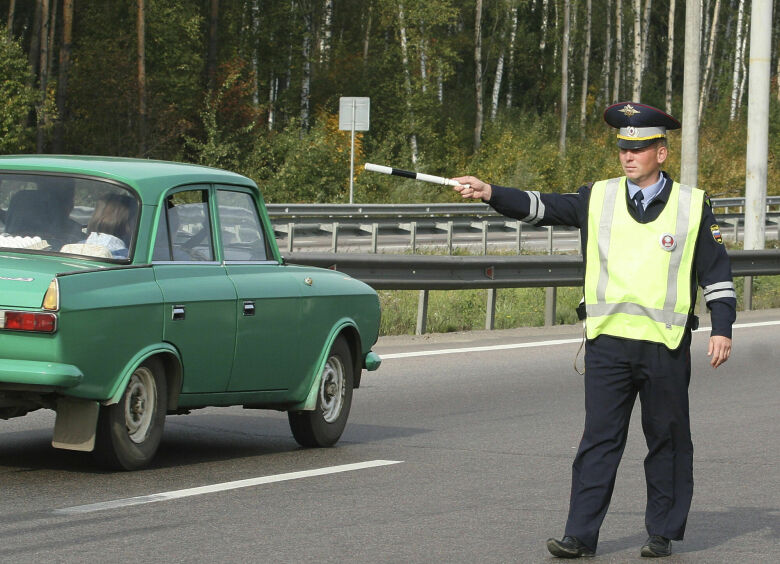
x,y
616,370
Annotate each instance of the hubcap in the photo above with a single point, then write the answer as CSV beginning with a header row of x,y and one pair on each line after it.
x,y
332,389
140,401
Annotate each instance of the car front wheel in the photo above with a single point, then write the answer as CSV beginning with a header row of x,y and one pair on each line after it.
x,y
323,426
130,431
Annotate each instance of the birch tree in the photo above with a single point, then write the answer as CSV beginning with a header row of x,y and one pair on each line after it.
x,y
637,83
585,65
478,75
710,53
308,32
670,56
646,31
606,63
407,79
325,39
618,48
498,77
735,76
564,78
510,69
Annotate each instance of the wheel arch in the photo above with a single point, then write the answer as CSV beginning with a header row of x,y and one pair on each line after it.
x,y
170,359
347,328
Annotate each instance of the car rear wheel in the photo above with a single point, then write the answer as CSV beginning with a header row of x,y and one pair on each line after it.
x,y
323,426
130,431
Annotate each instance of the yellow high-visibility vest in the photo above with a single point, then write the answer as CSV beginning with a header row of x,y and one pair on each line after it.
x,y
638,276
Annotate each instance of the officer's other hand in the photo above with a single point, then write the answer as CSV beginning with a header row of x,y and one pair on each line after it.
x,y
472,187
719,350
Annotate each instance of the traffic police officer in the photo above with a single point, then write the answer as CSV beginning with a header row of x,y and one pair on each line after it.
x,y
647,242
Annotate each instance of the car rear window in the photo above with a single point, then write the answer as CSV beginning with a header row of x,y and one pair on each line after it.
x,y
68,215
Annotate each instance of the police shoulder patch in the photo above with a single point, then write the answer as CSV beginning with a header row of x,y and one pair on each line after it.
x,y
716,233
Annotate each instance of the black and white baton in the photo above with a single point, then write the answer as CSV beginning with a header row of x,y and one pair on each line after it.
x,y
413,175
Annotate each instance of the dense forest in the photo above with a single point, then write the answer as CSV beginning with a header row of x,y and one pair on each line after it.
x,y
512,90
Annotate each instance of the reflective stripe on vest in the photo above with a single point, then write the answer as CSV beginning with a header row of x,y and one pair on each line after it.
x,y
627,263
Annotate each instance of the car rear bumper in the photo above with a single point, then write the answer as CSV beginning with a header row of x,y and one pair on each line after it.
x,y
37,373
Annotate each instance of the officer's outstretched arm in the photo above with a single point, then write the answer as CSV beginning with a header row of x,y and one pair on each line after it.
x,y
719,350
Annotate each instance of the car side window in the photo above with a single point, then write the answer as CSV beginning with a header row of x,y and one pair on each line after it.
x,y
184,232
241,231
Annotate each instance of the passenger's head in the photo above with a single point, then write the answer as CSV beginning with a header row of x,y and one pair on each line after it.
x,y
114,214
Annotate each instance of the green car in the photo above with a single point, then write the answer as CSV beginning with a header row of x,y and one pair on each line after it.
x,y
131,289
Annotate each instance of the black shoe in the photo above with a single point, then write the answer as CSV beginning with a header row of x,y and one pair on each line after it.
x,y
656,546
568,547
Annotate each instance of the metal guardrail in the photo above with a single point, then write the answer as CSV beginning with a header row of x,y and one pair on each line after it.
x,y
303,224
279,212
425,272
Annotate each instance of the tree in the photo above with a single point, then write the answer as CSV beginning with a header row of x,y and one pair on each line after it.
x,y
478,75
142,102
585,66
18,98
669,56
64,69
618,48
564,78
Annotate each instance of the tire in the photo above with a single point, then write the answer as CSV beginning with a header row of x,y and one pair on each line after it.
x,y
323,426
129,432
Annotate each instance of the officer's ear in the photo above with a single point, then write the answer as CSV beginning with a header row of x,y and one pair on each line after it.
x,y
661,152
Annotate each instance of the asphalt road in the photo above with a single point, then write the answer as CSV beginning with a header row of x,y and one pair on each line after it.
x,y
466,458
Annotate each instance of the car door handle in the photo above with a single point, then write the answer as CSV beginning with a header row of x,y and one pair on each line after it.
x,y
249,308
178,313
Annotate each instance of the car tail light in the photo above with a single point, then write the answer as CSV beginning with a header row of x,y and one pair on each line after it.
x,y
38,322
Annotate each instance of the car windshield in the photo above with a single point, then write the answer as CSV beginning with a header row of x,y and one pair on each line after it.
x,y
68,215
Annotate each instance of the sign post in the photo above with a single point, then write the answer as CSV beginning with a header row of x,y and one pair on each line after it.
x,y
353,116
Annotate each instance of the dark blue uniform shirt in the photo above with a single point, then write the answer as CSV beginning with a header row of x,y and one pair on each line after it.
x,y
711,261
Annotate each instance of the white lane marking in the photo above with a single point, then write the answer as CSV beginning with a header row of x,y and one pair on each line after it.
x,y
189,492
537,343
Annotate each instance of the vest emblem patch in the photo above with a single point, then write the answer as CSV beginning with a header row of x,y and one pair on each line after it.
x,y
668,242
716,233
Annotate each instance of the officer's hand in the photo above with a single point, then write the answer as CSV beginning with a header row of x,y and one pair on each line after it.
x,y
471,187
719,350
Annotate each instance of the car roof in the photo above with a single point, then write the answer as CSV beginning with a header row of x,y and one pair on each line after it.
x,y
150,178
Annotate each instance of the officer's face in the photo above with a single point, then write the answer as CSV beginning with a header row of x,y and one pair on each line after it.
x,y
641,166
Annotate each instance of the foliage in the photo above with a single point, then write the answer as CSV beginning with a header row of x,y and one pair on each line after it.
x,y
18,97
249,117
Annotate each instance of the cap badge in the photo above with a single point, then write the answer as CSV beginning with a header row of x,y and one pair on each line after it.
x,y
631,131
668,242
628,110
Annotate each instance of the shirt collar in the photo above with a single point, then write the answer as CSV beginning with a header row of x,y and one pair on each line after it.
x,y
650,192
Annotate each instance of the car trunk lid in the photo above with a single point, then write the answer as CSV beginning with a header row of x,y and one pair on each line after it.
x,y
25,278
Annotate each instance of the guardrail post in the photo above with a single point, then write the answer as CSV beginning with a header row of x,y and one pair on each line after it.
x,y
747,294
290,231
519,236
736,230
449,236
422,312
551,294
490,310
413,234
484,236
374,237
335,241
